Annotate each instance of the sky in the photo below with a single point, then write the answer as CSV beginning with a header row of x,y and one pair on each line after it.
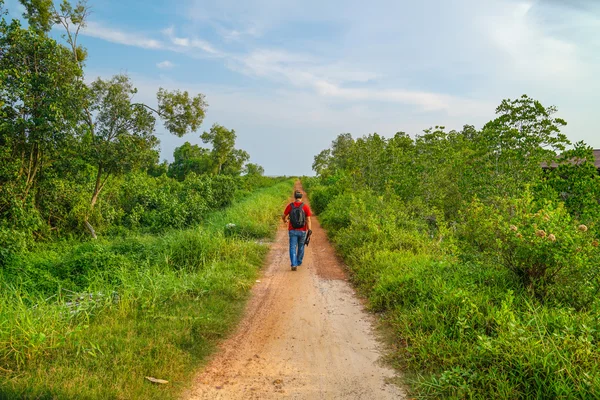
x,y
290,76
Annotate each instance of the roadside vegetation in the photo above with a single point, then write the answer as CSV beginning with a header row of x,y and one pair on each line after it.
x,y
483,264
114,266
93,319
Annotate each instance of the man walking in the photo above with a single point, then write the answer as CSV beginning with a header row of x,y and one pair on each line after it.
x,y
297,214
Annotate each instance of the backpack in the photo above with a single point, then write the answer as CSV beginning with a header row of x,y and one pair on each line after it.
x,y
297,216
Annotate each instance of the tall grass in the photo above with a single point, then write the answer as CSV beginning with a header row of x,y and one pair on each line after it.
x,y
93,320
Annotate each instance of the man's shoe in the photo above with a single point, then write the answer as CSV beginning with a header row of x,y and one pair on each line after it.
x,y
294,267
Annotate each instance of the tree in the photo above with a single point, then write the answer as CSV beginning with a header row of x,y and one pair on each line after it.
x,y
41,93
321,162
252,169
39,14
371,165
223,142
190,158
400,153
121,134
42,15
73,19
341,152
512,146
441,165
182,114
234,164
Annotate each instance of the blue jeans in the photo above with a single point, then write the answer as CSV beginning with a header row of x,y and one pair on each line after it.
x,y
296,247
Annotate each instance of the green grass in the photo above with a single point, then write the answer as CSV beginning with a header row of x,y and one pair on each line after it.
x,y
160,306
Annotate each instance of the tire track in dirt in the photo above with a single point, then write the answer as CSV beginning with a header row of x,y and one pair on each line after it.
x,y
304,335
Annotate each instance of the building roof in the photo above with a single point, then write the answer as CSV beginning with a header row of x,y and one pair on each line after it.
x,y
596,161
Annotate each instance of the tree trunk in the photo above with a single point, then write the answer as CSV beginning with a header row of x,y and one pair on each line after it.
x,y
97,188
34,162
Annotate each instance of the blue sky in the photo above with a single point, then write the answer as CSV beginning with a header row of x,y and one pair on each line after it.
x,y
290,76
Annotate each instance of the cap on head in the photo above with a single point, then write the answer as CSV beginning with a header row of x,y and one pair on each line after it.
x,y
297,194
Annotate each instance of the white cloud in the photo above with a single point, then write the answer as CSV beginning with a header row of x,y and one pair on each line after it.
x,y
183,44
165,65
300,71
453,105
234,35
97,30
176,44
533,54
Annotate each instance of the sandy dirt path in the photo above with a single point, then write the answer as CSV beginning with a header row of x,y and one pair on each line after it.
x,y
305,335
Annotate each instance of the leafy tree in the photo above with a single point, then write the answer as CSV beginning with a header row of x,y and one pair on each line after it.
x,y
61,137
341,152
400,153
42,15
321,162
443,169
73,19
39,14
117,134
443,162
223,142
190,158
433,152
182,114
234,164
157,169
252,169
513,145
371,163
40,96
121,134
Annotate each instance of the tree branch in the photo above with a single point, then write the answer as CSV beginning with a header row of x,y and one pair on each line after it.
x,y
149,108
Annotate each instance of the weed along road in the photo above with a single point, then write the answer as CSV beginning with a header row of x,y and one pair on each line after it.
x,y
305,335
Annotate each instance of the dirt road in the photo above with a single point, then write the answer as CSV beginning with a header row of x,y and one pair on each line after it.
x,y
305,335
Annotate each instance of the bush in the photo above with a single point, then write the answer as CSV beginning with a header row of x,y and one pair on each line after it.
x,y
12,243
136,201
322,191
551,254
321,197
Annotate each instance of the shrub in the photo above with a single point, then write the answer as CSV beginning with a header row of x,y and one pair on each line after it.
x,y
552,255
12,243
